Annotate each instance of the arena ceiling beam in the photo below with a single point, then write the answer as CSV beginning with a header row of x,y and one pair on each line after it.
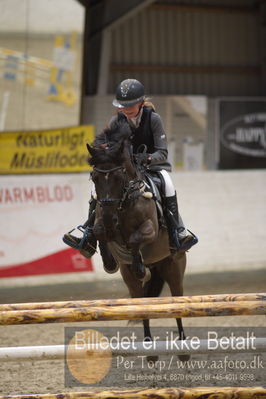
x,y
101,16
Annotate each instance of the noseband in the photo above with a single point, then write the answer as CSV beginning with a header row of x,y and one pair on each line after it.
x,y
134,185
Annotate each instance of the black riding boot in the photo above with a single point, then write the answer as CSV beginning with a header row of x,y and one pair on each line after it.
x,y
87,243
177,240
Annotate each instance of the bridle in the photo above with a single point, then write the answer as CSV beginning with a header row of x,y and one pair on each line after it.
x,y
133,190
107,171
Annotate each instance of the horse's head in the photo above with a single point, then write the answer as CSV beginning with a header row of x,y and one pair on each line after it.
x,y
109,173
112,171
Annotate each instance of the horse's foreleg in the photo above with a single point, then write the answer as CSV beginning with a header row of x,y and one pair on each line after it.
x,y
138,267
140,237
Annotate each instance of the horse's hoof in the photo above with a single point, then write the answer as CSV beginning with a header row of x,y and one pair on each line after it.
x,y
140,276
183,358
140,272
147,277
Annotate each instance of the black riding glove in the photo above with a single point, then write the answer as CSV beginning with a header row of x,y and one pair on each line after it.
x,y
142,158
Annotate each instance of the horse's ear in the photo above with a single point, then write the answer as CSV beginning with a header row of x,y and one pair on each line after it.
x,y
90,149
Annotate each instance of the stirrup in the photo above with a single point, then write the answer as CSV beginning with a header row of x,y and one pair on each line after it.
x,y
83,242
187,242
73,241
182,244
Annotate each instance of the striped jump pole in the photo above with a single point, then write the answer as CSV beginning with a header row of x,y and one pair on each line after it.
x,y
151,393
135,301
58,352
133,312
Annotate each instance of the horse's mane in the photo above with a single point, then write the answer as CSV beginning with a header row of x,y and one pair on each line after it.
x,y
119,131
112,152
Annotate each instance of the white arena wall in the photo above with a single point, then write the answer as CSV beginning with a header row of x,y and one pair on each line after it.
x,y
226,209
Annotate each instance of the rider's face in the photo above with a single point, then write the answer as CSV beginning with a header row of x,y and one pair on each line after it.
x,y
132,111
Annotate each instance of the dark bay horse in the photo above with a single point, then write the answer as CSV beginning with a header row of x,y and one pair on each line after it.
x,y
126,219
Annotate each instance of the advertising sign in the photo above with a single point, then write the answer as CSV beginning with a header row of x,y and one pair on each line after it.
x,y
52,151
35,212
242,132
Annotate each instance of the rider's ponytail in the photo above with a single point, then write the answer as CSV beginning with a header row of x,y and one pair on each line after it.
x,y
148,103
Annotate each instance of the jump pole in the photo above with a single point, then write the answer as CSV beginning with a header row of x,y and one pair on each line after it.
x,y
58,352
151,393
133,312
135,301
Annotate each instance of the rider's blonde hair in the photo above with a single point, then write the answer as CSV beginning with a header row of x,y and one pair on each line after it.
x,y
148,103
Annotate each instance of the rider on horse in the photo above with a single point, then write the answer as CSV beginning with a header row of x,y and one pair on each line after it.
x,y
147,129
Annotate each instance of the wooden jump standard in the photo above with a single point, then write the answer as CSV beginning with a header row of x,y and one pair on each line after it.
x,y
133,312
152,393
135,301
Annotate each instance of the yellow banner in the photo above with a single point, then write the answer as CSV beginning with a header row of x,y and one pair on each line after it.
x,y
51,151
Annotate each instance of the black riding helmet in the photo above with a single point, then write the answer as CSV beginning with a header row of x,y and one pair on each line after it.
x,y
129,92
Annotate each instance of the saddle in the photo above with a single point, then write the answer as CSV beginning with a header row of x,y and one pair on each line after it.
x,y
155,184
